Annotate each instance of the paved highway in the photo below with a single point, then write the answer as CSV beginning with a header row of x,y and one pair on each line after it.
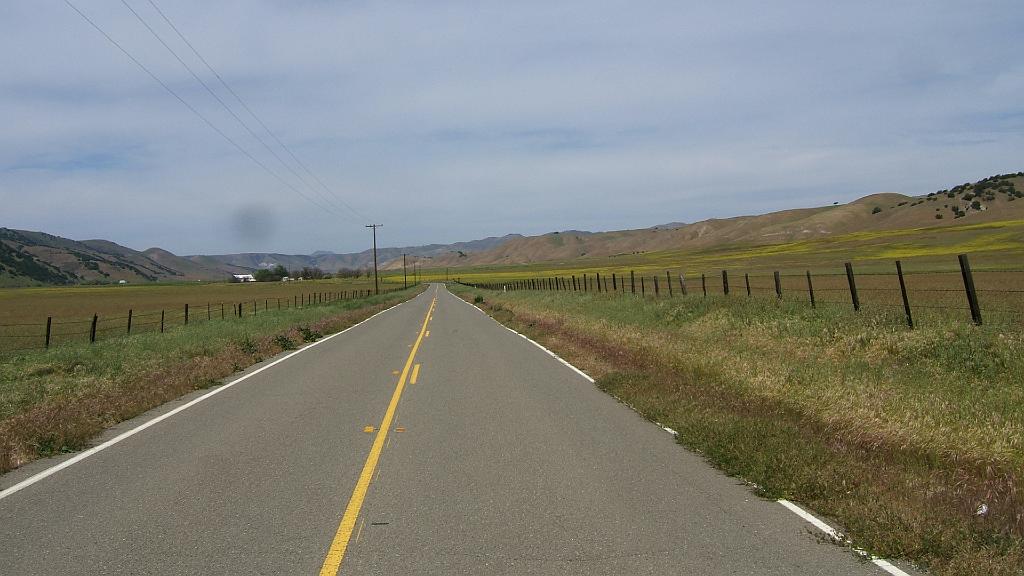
x,y
427,440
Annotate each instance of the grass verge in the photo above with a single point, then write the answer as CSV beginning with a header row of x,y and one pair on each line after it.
x,y
56,401
911,441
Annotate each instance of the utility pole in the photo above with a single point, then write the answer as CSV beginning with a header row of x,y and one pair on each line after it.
x,y
376,284
405,275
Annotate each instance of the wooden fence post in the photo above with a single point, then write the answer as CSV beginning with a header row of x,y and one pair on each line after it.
x,y
725,282
49,322
186,314
632,282
668,282
643,289
972,294
209,314
746,278
221,310
161,321
704,284
682,283
903,291
810,289
853,287
92,331
656,291
778,286
129,321
598,281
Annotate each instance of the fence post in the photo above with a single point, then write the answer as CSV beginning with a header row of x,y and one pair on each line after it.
x,y
725,282
903,291
778,285
668,282
656,291
49,322
278,303
92,331
186,314
129,320
598,281
574,283
221,310
682,283
746,278
810,289
972,294
161,321
632,282
209,315
704,284
853,287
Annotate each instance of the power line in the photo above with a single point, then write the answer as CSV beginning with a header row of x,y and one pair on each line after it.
x,y
223,104
251,113
192,108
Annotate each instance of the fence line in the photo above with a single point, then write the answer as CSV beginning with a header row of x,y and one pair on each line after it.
x,y
899,290
42,335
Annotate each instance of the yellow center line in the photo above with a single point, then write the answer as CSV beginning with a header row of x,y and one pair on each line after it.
x,y
415,373
336,553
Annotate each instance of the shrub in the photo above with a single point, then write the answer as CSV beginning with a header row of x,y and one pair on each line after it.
x,y
938,216
478,299
284,342
876,209
309,335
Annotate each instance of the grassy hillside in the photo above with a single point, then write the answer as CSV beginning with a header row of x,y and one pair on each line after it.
x,y
35,258
878,218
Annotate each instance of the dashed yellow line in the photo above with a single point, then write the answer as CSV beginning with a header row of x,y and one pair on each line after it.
x,y
336,553
415,374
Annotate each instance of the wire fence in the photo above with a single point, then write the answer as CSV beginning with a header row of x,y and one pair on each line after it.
x,y
994,296
55,331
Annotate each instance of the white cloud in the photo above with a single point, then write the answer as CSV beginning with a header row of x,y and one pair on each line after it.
x,y
454,120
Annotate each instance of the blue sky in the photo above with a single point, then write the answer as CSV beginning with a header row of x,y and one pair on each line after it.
x,y
451,121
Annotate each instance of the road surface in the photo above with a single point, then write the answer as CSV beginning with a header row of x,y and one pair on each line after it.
x,y
494,458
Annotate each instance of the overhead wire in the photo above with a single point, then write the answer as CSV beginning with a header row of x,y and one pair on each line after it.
x,y
251,113
223,104
192,109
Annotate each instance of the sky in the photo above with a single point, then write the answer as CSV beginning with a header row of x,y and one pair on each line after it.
x,y
451,121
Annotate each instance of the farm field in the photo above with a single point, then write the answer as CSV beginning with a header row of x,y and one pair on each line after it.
x,y
23,311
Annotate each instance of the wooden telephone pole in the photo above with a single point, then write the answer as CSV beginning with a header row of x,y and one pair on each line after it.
x,y
376,284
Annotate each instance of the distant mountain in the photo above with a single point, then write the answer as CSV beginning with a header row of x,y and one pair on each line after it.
x,y
36,258
387,258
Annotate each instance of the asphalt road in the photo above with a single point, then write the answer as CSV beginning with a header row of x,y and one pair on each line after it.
x,y
497,460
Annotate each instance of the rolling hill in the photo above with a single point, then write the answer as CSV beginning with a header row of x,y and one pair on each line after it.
x,y
996,198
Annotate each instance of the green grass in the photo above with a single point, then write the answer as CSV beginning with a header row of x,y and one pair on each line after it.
x,y
57,400
897,435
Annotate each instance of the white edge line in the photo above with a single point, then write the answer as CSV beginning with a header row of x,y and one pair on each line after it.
x,y
807,516
551,354
835,535
124,435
